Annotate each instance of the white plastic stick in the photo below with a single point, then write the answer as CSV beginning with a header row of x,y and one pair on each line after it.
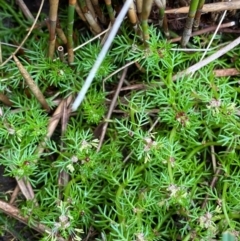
x,y
101,55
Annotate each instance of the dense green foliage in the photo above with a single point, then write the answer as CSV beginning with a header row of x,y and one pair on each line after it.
x,y
154,170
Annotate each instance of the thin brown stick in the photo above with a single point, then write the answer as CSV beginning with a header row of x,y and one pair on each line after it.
x,y
225,72
32,85
211,7
114,100
131,87
64,176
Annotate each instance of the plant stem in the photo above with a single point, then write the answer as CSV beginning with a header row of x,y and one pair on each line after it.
x,y
52,29
146,9
189,22
71,10
110,10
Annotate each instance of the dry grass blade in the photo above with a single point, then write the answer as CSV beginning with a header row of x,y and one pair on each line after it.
x,y
211,7
32,85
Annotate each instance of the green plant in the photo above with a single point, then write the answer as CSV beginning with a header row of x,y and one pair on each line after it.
x,y
151,179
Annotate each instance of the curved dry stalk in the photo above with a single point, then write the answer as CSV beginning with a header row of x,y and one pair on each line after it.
x,y
189,22
210,7
32,85
26,37
16,213
52,28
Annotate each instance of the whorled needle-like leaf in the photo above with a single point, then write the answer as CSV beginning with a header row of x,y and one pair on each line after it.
x,y
32,85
